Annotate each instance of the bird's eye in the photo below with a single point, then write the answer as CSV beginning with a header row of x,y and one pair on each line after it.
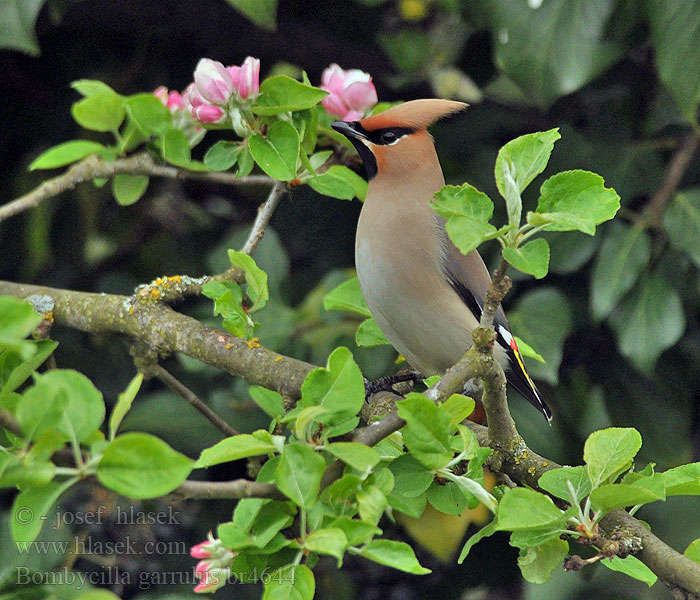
x,y
389,137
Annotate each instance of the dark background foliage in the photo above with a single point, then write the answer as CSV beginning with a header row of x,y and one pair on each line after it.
x,y
595,69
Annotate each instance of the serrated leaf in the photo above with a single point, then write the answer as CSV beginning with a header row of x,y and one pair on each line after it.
x,y
127,189
522,508
150,114
459,407
371,502
222,155
575,200
621,258
683,480
555,482
610,451
358,456
394,554
101,112
610,496
368,334
531,258
277,153
330,185
65,154
537,562
526,157
255,278
347,296
140,465
631,566
426,433
269,401
283,94
234,448
330,541
298,475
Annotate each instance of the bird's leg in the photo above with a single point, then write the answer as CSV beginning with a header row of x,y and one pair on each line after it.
x,y
386,383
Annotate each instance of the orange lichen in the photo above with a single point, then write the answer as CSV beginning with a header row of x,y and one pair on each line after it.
x,y
254,343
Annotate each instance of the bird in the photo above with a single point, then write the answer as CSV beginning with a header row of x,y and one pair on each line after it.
x,y
425,295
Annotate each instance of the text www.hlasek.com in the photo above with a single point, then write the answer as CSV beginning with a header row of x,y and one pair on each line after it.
x,y
88,546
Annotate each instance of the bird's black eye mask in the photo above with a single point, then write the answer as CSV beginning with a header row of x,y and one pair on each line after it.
x,y
388,136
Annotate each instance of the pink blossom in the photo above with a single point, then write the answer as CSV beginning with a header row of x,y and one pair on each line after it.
x,y
202,550
246,78
212,580
172,99
351,92
207,114
213,81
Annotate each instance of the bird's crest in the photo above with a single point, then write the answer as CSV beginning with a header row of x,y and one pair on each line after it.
x,y
416,114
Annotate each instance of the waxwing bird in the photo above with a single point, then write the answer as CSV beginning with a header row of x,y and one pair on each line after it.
x,y
425,295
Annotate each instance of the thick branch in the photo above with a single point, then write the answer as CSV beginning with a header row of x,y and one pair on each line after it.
x,y
227,490
168,331
137,164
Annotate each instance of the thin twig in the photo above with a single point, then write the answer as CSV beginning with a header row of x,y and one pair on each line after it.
x,y
236,489
265,212
138,164
494,296
182,390
672,178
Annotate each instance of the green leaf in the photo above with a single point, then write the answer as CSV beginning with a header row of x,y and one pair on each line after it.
x,y
531,258
283,94
609,452
522,508
298,475
484,532
222,155
448,498
682,223
371,503
123,404
91,87
411,478
17,320
228,302
357,183
150,114
527,538
459,407
327,541
290,583
347,296
261,12
176,147
426,433
537,562
235,448
65,154
64,400
554,48
269,401
610,496
621,258
245,163
330,185
31,506
102,112
525,158
544,318
555,482
527,350
356,531
575,200
631,566
683,480
140,465
339,388
693,551
394,554
257,528
675,29
127,189
369,335
649,321
255,278
358,456
277,153
24,369
17,20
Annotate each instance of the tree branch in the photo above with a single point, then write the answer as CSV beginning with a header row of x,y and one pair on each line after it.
x,y
156,324
226,490
138,164
263,217
182,390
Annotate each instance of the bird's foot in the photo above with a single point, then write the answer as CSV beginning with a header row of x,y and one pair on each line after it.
x,y
386,384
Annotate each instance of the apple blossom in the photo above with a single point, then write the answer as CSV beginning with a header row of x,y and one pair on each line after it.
x,y
213,81
351,92
246,78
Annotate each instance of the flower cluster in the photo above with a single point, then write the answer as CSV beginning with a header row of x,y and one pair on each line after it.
x,y
215,568
352,92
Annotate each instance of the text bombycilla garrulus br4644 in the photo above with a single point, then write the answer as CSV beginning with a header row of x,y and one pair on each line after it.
x,y
425,295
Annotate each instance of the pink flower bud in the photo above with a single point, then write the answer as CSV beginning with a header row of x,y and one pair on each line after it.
x,y
161,92
174,101
202,550
207,114
351,92
213,81
246,78
215,579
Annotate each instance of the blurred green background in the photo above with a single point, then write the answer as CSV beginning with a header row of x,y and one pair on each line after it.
x,y
616,319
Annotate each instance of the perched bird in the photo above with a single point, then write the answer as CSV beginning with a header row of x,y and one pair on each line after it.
x,y
425,295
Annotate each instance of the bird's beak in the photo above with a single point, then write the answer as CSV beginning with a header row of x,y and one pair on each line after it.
x,y
349,129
